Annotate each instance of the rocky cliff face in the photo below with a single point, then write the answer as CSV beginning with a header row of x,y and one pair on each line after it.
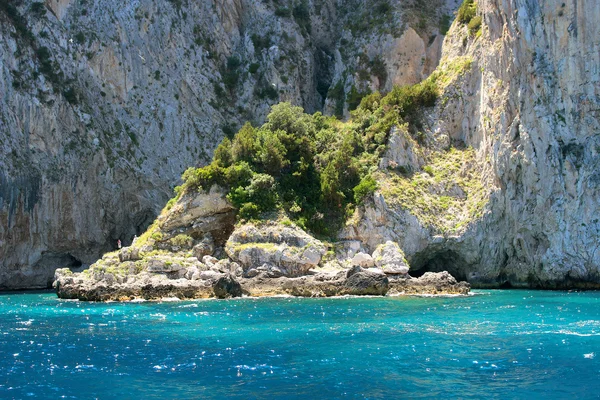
x,y
104,103
521,109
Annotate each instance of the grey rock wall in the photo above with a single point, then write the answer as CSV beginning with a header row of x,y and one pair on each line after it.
x,y
104,103
529,106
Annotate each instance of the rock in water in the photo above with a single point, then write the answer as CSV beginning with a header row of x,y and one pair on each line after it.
x,y
226,287
361,281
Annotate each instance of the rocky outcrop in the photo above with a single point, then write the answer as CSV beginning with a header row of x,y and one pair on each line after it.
x,y
501,189
430,283
211,283
176,258
274,248
98,97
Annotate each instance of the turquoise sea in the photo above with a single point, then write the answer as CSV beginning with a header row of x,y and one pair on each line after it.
x,y
493,344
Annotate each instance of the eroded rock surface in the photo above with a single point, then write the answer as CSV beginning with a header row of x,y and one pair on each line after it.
x,y
274,248
264,259
501,187
104,104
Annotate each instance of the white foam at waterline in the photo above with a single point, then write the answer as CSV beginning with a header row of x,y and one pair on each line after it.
x,y
170,299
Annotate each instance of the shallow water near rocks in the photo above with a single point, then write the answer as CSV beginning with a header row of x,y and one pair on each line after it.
x,y
494,344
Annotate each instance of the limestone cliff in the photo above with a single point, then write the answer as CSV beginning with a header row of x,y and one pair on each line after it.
x,y
519,115
104,103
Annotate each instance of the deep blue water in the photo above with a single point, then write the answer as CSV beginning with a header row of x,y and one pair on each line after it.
x,y
495,344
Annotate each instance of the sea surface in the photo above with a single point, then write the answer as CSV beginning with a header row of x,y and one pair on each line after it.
x,y
493,344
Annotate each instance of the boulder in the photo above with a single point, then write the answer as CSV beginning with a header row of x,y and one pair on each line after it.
x,y
202,213
227,287
209,260
363,260
192,272
129,254
158,265
390,258
210,275
225,266
360,281
437,279
206,247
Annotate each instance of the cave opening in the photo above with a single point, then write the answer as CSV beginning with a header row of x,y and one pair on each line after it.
x,y
438,261
50,261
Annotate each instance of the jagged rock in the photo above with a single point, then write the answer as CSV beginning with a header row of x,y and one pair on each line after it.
x,y
390,258
288,248
191,272
158,265
401,152
346,249
370,281
206,247
437,279
209,260
225,266
363,260
206,213
226,287
129,254
210,275
429,283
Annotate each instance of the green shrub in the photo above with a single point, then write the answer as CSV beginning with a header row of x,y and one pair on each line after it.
x,y
337,94
366,187
301,14
260,42
38,9
474,25
222,156
70,95
379,70
409,100
231,73
253,68
182,240
311,167
267,91
243,145
249,211
171,203
158,236
466,11
283,12
80,37
355,97
239,174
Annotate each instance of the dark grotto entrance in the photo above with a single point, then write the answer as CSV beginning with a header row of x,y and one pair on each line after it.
x,y
438,261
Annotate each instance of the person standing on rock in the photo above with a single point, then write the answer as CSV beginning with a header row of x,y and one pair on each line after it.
x,y
119,243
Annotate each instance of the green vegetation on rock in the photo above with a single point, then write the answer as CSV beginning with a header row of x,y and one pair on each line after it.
x,y
314,168
467,11
446,196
